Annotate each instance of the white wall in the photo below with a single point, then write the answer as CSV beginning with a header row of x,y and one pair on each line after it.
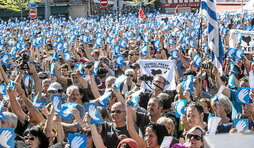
x,y
79,10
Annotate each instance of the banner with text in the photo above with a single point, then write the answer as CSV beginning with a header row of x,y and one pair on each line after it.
x,y
244,38
150,68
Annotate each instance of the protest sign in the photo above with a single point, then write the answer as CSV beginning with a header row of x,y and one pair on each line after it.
x,y
244,38
150,68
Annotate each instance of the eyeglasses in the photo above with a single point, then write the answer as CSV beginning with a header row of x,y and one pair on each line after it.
x,y
117,111
53,91
196,137
131,54
30,138
129,75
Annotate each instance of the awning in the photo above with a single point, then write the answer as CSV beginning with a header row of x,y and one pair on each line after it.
x,y
54,10
220,8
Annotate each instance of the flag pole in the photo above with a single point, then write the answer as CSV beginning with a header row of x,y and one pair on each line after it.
x,y
200,32
200,47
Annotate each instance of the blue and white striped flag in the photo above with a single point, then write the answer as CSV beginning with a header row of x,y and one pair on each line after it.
x,y
214,38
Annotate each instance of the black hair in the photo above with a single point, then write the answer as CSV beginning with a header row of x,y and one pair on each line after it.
x,y
197,106
159,130
160,102
64,66
166,100
37,132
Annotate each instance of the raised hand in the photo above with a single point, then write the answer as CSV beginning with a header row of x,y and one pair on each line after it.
x,y
242,94
55,104
75,113
4,138
92,112
77,142
240,125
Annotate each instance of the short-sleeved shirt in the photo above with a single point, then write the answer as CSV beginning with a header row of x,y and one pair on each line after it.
x,y
110,134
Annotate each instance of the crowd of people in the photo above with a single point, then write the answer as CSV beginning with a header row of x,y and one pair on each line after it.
x,y
76,60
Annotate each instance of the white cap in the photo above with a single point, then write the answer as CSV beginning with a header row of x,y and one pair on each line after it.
x,y
55,86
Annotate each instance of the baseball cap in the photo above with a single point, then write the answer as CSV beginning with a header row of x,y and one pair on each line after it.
x,y
134,65
55,86
190,72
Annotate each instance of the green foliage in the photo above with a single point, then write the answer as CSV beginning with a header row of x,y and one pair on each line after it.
x,y
16,5
138,2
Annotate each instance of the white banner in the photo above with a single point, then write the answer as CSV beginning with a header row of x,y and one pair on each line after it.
x,y
247,40
150,68
164,18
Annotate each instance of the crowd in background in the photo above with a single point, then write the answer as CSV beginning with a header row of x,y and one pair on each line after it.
x,y
36,47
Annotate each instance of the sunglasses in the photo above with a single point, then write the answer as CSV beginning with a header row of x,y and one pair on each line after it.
x,y
88,66
30,138
129,75
54,91
116,111
196,137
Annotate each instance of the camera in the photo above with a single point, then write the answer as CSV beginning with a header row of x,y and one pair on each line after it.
x,y
43,75
206,65
146,78
24,59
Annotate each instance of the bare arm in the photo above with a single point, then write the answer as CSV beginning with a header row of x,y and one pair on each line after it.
x,y
62,80
130,126
17,110
49,124
37,84
183,59
74,52
82,81
76,114
59,128
97,140
33,111
219,82
94,87
3,74
118,95
88,53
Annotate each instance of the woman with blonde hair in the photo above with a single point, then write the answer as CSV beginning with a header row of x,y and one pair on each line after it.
x,y
194,137
168,123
